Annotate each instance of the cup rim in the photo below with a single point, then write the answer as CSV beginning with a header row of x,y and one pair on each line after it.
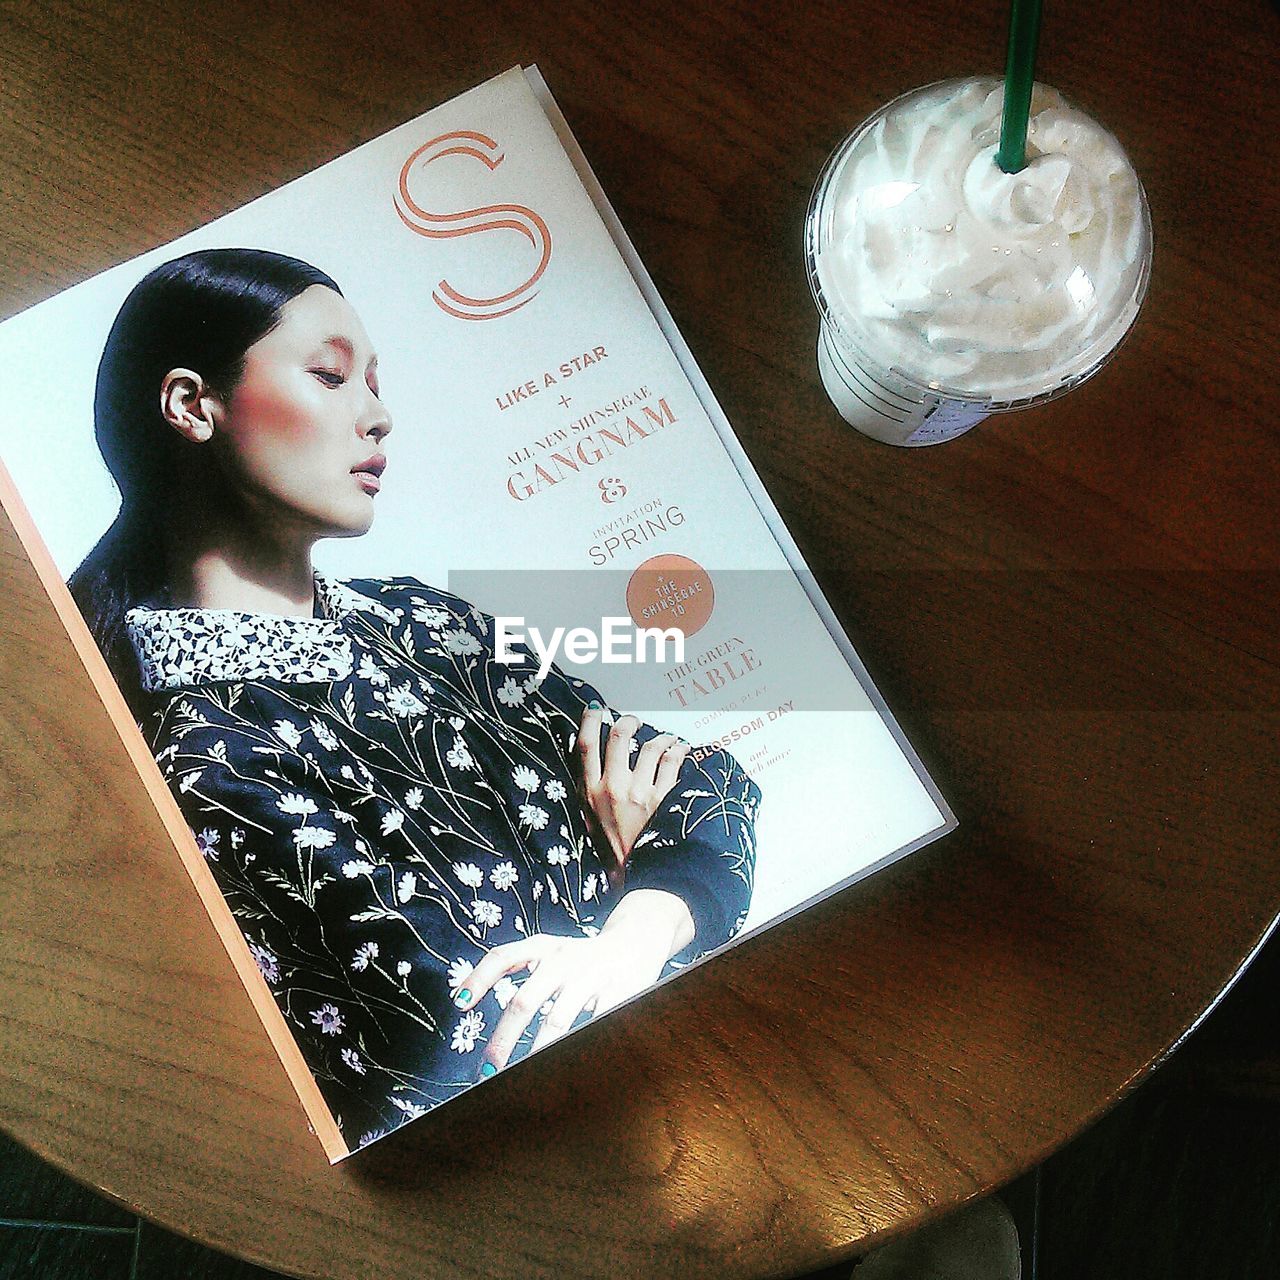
x,y
1106,344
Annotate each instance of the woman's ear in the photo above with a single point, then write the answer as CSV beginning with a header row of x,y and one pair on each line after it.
x,y
188,405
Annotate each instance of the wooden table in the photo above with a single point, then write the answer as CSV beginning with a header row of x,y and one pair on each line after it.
x,y
1072,611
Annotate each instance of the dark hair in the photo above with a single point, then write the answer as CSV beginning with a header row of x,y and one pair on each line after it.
x,y
202,311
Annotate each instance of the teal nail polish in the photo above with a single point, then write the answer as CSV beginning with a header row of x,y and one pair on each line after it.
x,y
594,704
488,1070
463,998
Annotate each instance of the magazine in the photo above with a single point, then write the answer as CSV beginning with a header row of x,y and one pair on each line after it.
x,y
471,669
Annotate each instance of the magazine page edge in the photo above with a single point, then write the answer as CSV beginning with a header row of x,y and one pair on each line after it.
x,y
317,1111
724,429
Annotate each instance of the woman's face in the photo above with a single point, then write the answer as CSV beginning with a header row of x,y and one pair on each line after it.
x,y
300,437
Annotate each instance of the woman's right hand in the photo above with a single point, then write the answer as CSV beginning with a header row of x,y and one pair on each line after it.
x,y
569,975
618,798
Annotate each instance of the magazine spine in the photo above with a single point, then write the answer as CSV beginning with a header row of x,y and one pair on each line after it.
x,y
108,692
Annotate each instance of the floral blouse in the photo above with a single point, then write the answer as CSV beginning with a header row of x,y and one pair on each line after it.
x,y
381,801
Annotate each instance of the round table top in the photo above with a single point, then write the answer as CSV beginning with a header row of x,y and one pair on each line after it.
x,y
1071,611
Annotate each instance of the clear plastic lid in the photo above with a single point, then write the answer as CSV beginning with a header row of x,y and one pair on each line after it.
x,y
929,261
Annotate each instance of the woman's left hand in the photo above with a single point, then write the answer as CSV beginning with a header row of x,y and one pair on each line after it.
x,y
645,929
618,798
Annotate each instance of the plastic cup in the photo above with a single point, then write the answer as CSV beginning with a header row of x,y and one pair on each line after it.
x,y
948,290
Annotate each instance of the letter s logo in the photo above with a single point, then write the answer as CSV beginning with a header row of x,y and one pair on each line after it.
x,y
441,226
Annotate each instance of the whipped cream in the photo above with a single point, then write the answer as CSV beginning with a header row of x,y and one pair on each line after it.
x,y
936,263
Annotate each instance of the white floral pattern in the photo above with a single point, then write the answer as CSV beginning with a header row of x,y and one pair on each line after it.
x,y
361,779
328,1019
469,874
486,913
504,876
267,964
467,1031
510,693
531,815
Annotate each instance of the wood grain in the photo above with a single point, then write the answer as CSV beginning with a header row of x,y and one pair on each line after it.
x,y
1072,611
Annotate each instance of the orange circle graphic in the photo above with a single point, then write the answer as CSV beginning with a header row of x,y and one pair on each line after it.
x,y
671,591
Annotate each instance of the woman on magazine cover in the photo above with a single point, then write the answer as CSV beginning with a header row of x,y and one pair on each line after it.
x,y
439,862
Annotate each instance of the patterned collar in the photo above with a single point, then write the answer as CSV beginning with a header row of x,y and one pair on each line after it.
x,y
182,648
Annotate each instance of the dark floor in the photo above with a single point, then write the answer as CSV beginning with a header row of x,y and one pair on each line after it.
x,y
1180,1182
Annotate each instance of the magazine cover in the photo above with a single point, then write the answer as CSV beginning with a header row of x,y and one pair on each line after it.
x,y
472,671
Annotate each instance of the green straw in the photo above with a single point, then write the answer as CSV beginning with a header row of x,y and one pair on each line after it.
x,y
1019,76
